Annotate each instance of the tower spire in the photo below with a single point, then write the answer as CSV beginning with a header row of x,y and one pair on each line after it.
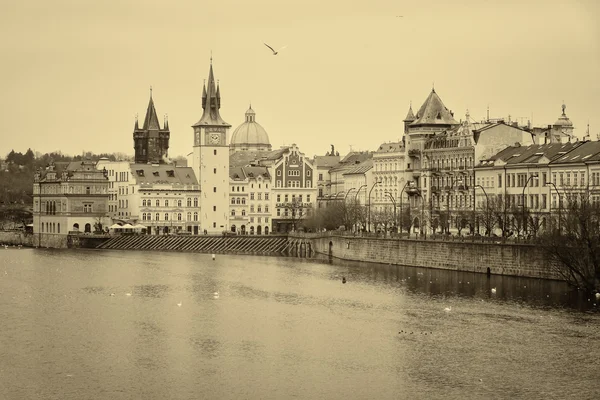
x,y
211,102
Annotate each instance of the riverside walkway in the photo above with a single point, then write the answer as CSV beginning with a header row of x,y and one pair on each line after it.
x,y
246,244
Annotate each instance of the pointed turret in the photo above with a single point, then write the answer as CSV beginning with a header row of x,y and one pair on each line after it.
x,y
137,126
211,102
410,117
434,112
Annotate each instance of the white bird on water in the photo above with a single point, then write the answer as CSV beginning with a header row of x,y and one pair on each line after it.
x,y
127,294
275,52
179,304
216,295
448,309
598,296
493,290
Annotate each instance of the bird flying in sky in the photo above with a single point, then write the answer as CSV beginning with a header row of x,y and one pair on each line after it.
x,y
274,51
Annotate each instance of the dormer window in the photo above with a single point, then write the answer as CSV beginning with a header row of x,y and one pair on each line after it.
x,y
171,173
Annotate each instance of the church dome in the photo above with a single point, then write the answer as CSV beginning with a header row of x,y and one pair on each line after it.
x,y
250,135
563,120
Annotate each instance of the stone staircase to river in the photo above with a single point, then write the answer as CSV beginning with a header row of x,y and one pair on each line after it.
x,y
266,245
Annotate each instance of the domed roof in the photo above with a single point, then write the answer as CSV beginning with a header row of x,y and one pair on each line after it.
x,y
250,132
563,120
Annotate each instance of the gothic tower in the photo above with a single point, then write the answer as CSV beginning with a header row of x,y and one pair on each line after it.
x,y
211,160
151,143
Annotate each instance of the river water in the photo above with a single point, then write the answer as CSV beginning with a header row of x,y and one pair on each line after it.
x,y
182,326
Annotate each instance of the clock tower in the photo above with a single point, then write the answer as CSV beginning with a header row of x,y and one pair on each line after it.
x,y
211,160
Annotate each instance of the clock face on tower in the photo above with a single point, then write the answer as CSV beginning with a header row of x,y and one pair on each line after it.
x,y
215,138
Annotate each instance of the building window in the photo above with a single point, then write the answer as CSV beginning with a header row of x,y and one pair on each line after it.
x,y
266,208
166,216
233,200
178,216
195,216
157,203
189,216
214,223
157,217
195,202
189,202
243,200
215,152
233,213
308,172
214,208
243,213
252,196
87,208
214,189
166,203
178,203
278,172
88,190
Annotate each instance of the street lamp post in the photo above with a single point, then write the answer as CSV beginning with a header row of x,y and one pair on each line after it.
x,y
401,212
356,195
559,205
369,207
487,205
523,201
451,189
394,203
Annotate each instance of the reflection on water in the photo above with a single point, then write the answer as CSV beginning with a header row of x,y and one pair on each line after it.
x,y
123,325
438,282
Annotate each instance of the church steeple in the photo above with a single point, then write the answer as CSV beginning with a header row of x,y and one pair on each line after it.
x,y
211,102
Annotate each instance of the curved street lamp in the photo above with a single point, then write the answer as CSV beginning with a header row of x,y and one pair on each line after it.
x,y
487,205
356,195
394,203
523,197
559,205
401,200
369,206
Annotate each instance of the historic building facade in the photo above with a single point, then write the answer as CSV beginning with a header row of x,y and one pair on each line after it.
x,y
250,198
70,197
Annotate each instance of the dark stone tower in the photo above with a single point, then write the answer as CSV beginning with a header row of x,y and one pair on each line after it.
x,y
151,143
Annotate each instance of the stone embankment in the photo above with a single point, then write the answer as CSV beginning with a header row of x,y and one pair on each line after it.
x,y
264,245
514,259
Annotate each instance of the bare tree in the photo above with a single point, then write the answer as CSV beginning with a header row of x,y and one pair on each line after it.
x,y
574,251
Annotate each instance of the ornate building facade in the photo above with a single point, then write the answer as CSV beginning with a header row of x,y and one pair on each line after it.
x,y
69,197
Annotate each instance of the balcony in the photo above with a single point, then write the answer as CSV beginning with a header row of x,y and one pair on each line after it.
x,y
414,153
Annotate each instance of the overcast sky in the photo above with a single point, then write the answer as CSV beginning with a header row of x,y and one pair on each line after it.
x,y
75,72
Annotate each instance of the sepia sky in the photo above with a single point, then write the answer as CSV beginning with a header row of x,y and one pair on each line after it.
x,y
75,72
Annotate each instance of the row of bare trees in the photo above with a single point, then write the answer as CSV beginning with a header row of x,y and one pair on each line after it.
x,y
569,236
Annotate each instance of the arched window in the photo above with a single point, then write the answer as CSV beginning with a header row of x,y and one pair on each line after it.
x,y
144,203
149,216
195,202
259,208
157,216
233,200
233,213
238,200
166,216
195,216
243,213
157,203
189,202
58,227
178,216
178,203
143,216
166,203
189,216
243,200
